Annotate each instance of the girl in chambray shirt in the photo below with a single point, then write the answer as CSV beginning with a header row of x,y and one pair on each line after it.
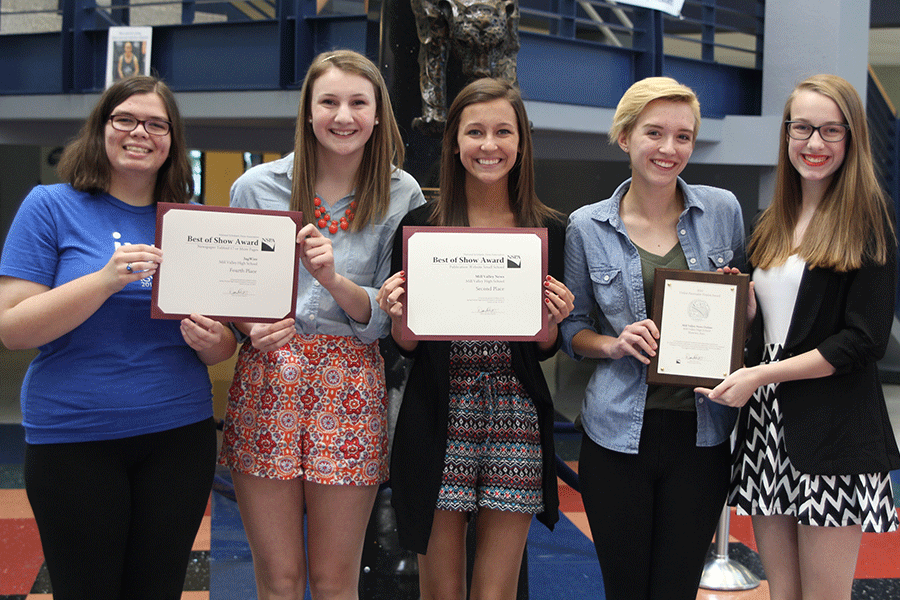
x,y
654,464
306,425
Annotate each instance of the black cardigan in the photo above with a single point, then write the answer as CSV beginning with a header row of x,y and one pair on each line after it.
x,y
837,425
420,438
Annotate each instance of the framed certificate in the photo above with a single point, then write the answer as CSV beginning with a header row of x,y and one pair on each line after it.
x,y
474,283
702,319
229,264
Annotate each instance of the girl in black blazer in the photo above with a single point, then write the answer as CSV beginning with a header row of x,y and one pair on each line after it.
x,y
814,444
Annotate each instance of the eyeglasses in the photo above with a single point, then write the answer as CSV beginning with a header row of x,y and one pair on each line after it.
x,y
830,132
129,123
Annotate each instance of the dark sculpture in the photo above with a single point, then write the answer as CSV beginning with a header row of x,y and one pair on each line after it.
x,y
483,34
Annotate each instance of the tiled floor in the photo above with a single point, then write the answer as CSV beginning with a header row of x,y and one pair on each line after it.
x,y
560,564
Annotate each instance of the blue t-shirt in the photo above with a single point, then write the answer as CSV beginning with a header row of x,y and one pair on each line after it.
x,y
120,373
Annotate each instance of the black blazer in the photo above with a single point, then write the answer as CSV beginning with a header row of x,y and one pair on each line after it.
x,y
420,437
837,425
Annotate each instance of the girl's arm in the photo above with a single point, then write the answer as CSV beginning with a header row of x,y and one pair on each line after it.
x,y
560,302
212,341
390,298
318,258
33,314
637,340
737,388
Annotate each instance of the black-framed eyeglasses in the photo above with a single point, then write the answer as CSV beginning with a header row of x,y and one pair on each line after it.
x,y
129,123
830,132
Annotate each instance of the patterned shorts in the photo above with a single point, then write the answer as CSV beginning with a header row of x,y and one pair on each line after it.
x,y
493,457
315,408
764,482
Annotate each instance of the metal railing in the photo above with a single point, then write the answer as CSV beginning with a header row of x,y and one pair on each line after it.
x,y
884,135
44,16
720,31
266,44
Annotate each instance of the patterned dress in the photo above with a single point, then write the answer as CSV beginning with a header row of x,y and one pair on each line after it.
x,y
493,457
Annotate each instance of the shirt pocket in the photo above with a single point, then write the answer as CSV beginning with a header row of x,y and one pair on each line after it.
x,y
720,258
359,256
609,289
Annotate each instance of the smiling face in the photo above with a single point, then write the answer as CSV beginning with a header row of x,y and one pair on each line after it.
x,y
488,141
660,143
342,113
137,153
815,159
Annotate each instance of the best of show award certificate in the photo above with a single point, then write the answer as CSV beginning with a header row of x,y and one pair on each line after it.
x,y
229,264
701,318
475,284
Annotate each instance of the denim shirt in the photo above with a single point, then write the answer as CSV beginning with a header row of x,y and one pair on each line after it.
x,y
362,256
603,270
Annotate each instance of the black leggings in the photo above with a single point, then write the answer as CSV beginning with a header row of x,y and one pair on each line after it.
x,y
118,518
653,514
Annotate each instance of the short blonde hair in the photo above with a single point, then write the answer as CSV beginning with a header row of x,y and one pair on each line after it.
x,y
641,93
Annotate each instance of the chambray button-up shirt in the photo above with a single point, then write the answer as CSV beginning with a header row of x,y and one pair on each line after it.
x,y
603,270
363,256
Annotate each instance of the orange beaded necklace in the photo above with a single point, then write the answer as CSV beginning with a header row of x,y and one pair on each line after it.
x,y
325,220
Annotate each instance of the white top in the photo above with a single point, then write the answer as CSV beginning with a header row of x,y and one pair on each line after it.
x,y
776,293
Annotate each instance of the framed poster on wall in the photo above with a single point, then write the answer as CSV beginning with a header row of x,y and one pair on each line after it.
x,y
127,52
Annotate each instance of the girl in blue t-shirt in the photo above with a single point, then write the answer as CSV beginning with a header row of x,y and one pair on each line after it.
x,y
116,407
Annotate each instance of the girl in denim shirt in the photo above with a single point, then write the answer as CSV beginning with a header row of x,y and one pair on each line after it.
x,y
306,421
654,462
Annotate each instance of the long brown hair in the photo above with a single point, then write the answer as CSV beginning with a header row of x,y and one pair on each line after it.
x,y
382,154
450,208
85,164
852,224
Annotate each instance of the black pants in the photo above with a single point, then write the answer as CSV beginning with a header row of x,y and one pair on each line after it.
x,y
118,518
653,514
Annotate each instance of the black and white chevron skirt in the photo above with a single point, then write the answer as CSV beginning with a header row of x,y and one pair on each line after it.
x,y
763,481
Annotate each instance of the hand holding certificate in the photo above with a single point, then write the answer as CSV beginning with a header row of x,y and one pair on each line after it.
x,y
475,284
226,263
701,317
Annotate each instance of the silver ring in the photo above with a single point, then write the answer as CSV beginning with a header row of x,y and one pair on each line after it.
x,y
128,268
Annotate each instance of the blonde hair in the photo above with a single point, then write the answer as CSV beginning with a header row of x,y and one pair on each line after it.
x,y
450,208
643,92
383,151
852,223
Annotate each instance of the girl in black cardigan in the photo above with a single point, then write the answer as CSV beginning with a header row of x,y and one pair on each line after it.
x,y
814,442
475,428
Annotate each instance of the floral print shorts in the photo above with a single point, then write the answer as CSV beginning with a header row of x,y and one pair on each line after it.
x,y
313,409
